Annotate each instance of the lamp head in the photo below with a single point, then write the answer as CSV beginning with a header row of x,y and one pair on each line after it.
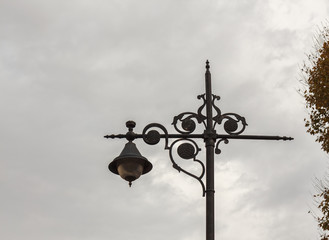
x,y
130,164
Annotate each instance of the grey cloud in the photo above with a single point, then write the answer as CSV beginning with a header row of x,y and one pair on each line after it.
x,y
74,71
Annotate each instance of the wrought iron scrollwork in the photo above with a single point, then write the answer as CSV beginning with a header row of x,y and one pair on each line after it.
x,y
152,137
234,123
217,150
188,125
218,111
188,150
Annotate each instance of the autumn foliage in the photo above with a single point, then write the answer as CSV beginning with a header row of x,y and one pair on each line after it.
x,y
322,203
316,94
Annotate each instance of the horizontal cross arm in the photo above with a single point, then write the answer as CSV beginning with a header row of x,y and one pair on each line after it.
x,y
218,136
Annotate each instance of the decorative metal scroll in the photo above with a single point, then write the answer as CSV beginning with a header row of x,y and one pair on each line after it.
x,y
186,118
152,137
217,150
185,123
234,123
187,150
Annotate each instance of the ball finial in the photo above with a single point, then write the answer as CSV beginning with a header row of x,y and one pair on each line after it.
x,y
207,65
130,125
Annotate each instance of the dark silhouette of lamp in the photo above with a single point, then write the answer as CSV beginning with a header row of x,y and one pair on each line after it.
x,y
130,164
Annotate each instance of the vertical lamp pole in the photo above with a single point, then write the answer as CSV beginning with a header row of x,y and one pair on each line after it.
x,y
210,139
130,164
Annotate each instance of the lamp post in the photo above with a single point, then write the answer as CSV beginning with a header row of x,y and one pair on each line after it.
x,y
130,164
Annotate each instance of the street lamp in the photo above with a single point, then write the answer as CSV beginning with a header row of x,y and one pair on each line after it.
x,y
130,164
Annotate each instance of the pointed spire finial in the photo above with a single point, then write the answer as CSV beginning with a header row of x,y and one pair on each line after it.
x,y
207,65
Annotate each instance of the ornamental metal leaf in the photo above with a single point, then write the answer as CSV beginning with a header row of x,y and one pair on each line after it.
x,y
234,124
152,137
188,119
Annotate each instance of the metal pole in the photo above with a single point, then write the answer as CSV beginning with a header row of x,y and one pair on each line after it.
x,y
209,138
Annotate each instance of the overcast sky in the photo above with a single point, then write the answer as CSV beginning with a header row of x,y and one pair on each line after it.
x,y
74,71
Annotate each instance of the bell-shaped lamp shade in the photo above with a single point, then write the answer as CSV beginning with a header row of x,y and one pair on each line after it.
x,y
130,164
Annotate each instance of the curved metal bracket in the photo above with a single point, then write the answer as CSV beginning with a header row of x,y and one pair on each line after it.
x,y
187,150
217,150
